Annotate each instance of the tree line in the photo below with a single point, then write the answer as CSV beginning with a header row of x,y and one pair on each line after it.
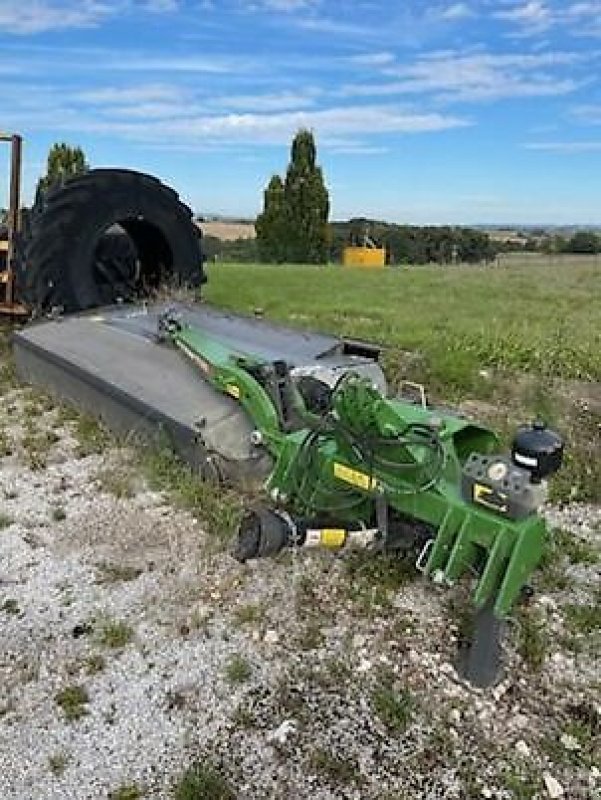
x,y
293,226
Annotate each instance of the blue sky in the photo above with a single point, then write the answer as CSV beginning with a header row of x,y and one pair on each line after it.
x,y
424,112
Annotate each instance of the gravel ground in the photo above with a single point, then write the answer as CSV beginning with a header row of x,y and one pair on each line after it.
x,y
295,678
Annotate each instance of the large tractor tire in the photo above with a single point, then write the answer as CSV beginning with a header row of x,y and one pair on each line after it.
x,y
108,236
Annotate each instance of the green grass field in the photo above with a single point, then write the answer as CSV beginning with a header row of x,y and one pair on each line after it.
x,y
520,339
534,317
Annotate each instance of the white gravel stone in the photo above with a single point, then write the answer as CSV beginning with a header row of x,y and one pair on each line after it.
x,y
569,742
553,786
163,700
522,749
271,637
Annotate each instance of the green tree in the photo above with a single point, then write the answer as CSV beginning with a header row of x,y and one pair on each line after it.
x,y
584,242
307,203
271,224
63,162
294,222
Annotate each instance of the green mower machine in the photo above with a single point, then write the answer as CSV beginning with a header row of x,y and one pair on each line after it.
x,y
307,417
353,468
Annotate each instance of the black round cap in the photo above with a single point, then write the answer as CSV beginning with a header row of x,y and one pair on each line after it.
x,y
537,449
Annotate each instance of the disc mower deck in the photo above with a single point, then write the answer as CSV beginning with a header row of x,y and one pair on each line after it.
x,y
111,364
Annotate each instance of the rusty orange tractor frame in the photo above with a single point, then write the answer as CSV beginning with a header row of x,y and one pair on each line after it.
x,y
9,304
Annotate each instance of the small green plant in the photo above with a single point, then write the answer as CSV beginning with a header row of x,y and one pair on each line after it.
x,y
59,514
120,482
58,763
373,582
73,701
92,438
243,717
238,670
116,573
203,782
521,787
11,607
248,613
5,521
217,507
333,768
115,634
393,706
6,447
94,664
129,792
311,636
37,446
533,638
584,619
577,550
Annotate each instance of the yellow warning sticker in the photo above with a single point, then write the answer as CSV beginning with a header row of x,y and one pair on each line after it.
x,y
490,498
333,538
234,390
354,477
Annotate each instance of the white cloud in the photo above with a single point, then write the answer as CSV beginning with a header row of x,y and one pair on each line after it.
x,y
537,16
374,59
277,101
153,92
285,6
584,9
456,11
43,15
534,11
565,147
160,6
477,76
38,16
588,114
120,115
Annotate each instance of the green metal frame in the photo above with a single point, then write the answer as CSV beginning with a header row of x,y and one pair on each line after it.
x,y
467,538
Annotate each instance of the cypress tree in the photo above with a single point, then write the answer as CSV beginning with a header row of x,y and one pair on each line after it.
x,y
294,223
271,224
63,162
307,203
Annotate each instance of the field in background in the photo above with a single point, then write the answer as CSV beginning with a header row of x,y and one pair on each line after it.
x,y
541,317
228,231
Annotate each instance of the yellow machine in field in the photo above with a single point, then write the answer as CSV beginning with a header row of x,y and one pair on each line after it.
x,y
364,252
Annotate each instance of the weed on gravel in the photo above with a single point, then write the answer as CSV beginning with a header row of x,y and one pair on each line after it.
x,y
248,613
59,514
116,573
584,619
218,508
10,607
115,634
5,521
533,638
6,446
129,792
203,782
73,701
94,664
238,670
334,769
92,437
394,706
119,481
57,763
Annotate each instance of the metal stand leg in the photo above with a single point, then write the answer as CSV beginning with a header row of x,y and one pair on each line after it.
x,y
482,663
